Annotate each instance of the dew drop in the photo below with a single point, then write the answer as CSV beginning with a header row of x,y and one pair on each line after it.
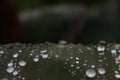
x,y
19,51
22,63
71,65
35,59
113,51
15,55
117,75
78,67
1,52
15,73
101,48
91,73
10,64
10,69
77,62
77,58
44,55
43,51
101,71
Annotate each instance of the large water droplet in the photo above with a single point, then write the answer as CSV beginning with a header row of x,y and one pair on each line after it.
x,y
10,69
91,73
101,71
22,63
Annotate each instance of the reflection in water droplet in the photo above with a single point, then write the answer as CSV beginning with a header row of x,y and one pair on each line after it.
x,y
101,71
117,75
36,59
10,69
91,73
22,63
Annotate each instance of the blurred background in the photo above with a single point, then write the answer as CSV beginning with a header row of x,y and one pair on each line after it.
x,y
38,21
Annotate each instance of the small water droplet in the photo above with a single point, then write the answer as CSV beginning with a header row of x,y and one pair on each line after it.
x,y
10,64
101,71
22,63
1,52
43,51
15,55
15,73
44,55
36,59
77,58
10,69
78,67
77,62
19,51
71,65
101,48
113,51
91,73
117,75
92,66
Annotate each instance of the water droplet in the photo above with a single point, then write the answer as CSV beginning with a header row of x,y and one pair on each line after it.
x,y
43,51
92,66
113,51
1,52
91,73
77,62
78,67
10,64
19,51
71,65
10,69
77,58
22,63
101,71
101,48
44,55
56,56
35,59
15,73
117,75
71,57
15,55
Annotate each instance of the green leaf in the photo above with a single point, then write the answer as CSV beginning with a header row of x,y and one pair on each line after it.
x,y
61,61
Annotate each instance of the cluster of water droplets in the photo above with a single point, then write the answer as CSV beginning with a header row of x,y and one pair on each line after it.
x,y
80,61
